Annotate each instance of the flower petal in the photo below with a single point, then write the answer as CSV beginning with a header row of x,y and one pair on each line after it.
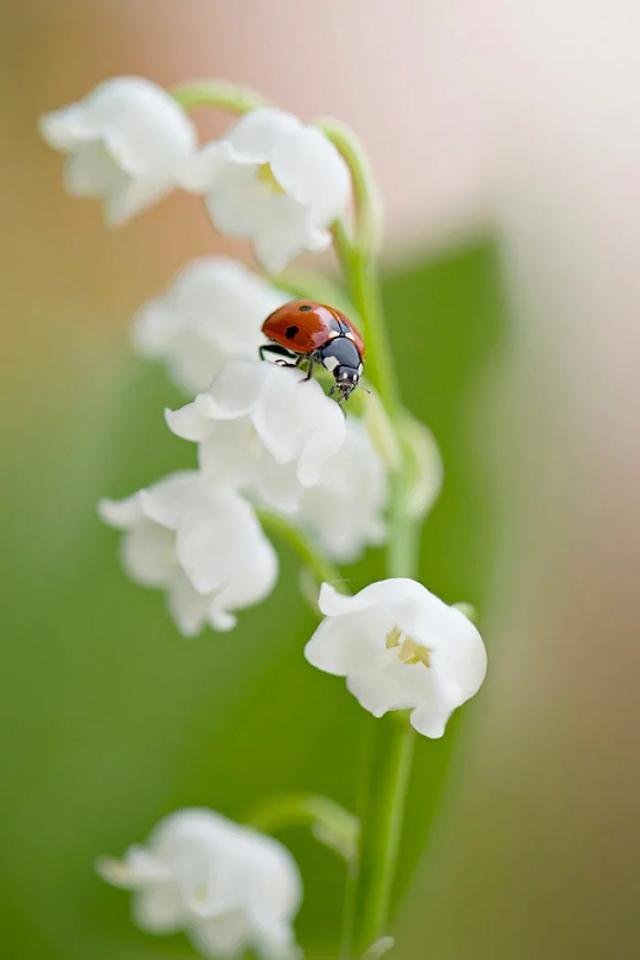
x,y
189,609
394,590
336,648
128,196
211,314
63,129
238,387
282,229
148,132
200,172
296,421
238,203
372,690
310,169
430,719
121,513
221,936
259,131
193,421
90,171
159,909
148,554
138,869
166,501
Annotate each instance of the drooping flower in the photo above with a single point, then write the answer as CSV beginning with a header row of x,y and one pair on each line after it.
x,y
262,430
204,546
400,648
126,142
228,887
344,510
212,313
274,180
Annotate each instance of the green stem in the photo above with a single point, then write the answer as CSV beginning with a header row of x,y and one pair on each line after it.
x,y
320,566
218,93
368,208
330,823
388,772
385,788
359,267
381,820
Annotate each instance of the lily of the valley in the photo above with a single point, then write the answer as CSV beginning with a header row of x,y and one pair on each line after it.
x,y
263,430
400,648
126,142
274,180
228,887
344,511
211,313
204,546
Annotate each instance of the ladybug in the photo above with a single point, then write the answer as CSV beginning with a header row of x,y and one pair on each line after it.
x,y
305,330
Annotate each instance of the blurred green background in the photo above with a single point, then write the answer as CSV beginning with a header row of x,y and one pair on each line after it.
x,y
521,838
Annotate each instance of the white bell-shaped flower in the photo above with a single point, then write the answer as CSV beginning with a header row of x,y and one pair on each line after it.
x,y
213,312
263,430
274,180
344,511
126,142
400,648
204,546
228,887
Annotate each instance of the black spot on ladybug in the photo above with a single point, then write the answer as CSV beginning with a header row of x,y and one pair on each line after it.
x,y
291,332
305,308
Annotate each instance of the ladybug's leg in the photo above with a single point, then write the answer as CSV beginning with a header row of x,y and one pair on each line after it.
x,y
313,359
277,354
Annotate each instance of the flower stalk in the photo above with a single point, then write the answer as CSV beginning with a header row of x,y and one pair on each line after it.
x,y
381,819
391,749
312,559
330,823
218,93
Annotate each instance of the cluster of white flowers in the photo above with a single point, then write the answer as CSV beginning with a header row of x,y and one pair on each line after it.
x,y
259,434
271,178
264,440
228,887
268,440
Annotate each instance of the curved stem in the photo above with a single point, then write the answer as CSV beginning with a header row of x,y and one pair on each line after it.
x,y
368,226
218,93
320,566
330,823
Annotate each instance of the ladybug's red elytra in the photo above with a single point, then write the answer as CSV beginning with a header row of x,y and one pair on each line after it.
x,y
305,330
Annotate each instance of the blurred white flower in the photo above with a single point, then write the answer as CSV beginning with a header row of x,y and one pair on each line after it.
x,y
213,312
126,142
274,180
344,510
228,887
260,429
204,546
400,648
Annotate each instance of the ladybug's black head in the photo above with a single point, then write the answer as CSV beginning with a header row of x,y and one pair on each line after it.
x,y
347,379
342,357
